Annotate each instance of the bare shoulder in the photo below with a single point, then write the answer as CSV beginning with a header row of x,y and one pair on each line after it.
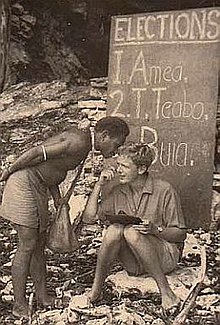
x,y
77,139
72,139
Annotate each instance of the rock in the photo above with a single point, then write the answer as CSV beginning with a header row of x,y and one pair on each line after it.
x,y
7,298
180,281
72,316
94,114
125,316
191,245
207,291
13,232
8,288
12,256
158,321
148,319
92,104
54,269
79,302
91,251
5,278
55,316
217,252
98,93
77,204
101,82
59,292
207,300
30,100
18,322
103,321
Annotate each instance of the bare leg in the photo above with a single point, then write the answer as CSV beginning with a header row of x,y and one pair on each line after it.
x,y
107,254
20,267
129,260
147,248
38,272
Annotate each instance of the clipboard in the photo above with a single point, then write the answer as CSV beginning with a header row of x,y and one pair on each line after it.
x,y
123,219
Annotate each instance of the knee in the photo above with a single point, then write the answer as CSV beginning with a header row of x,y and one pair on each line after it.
x,y
131,235
114,233
28,244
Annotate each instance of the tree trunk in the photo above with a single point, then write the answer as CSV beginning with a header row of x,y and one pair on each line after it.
x,y
4,41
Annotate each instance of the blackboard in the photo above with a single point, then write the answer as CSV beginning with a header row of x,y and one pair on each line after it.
x,y
163,80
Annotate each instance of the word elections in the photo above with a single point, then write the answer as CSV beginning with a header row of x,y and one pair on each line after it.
x,y
192,25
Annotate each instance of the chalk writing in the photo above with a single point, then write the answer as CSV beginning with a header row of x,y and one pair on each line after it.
x,y
118,95
153,142
179,109
168,154
139,70
163,82
191,26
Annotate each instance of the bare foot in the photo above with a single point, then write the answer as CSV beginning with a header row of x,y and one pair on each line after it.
x,y
170,301
20,310
94,296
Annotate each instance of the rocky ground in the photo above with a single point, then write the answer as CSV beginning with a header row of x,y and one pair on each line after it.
x,y
126,300
31,113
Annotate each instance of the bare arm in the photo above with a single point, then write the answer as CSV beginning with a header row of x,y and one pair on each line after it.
x,y
89,214
171,234
35,156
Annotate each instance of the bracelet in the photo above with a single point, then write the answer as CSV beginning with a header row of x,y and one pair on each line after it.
x,y
44,152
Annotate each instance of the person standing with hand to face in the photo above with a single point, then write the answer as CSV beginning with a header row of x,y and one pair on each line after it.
x,y
152,247
25,198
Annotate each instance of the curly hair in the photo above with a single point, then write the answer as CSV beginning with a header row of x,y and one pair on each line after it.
x,y
140,153
115,126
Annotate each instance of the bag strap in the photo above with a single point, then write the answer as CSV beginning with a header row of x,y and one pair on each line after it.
x,y
72,186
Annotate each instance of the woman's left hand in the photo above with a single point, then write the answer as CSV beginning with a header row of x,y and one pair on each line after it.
x,y
147,228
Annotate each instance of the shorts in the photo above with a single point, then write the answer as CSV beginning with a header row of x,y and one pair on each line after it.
x,y
25,200
168,255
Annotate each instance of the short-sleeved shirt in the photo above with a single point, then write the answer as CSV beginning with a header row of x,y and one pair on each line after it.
x,y
158,203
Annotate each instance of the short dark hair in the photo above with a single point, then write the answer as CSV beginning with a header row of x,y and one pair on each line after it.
x,y
140,153
115,126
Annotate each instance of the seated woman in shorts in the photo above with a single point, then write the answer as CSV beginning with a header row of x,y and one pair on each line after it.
x,y
153,246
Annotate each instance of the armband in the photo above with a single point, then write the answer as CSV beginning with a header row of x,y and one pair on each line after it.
x,y
44,152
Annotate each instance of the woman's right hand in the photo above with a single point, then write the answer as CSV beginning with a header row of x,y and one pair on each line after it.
x,y
107,175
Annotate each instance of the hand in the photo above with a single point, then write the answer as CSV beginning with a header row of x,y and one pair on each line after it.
x,y
147,228
4,175
107,175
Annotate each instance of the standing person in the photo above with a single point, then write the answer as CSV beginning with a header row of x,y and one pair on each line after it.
x,y
25,197
152,247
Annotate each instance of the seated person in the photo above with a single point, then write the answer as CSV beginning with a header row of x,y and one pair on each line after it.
x,y
151,247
